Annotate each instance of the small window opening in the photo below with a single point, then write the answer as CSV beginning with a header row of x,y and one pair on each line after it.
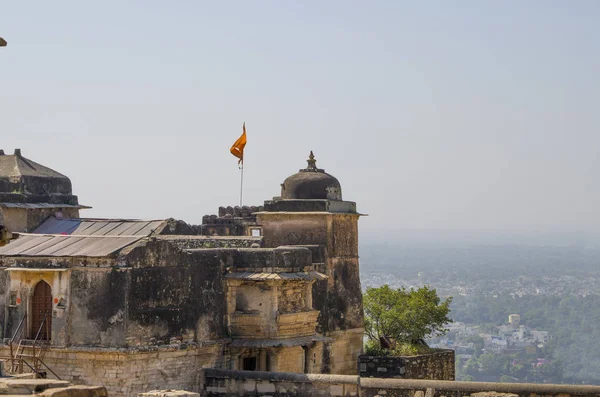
x,y
256,232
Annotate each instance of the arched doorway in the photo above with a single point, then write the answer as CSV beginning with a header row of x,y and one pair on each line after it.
x,y
41,306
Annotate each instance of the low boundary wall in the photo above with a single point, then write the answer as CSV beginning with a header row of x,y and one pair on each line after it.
x,y
218,382
437,365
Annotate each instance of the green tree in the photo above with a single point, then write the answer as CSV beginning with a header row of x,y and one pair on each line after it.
x,y
506,379
472,367
478,343
404,316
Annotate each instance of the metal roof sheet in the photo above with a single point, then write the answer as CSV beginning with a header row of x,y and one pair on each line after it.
x,y
98,227
276,276
66,245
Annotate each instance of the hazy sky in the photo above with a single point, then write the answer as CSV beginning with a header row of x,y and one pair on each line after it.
x,y
433,115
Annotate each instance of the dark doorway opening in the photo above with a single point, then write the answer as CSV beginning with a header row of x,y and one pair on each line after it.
x,y
41,307
249,364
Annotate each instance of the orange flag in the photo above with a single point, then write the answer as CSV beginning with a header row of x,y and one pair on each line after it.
x,y
237,149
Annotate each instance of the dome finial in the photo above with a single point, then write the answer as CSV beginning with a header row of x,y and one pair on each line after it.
x,y
312,162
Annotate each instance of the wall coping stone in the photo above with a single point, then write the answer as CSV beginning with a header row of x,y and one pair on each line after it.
x,y
168,393
407,384
281,376
513,388
433,352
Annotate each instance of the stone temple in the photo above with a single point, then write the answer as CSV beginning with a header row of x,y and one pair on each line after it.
x,y
139,305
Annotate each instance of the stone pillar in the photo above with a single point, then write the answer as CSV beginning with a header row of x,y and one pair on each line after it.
x,y
274,309
309,302
262,360
230,301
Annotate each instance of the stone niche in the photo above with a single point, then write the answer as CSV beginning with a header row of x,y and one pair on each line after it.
x,y
438,365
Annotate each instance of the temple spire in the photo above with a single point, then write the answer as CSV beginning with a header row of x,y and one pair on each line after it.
x,y
312,162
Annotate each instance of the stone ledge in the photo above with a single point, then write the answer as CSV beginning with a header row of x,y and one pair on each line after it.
x,y
474,387
281,376
169,393
76,391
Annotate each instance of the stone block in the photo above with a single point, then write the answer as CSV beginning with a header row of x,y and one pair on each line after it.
x,y
493,394
76,391
249,385
169,393
336,390
265,388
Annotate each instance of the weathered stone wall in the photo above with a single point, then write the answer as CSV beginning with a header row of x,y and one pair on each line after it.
x,y
288,359
5,302
97,307
231,221
186,301
37,216
314,356
436,366
242,383
275,384
253,298
292,297
339,299
126,372
153,295
280,259
345,309
27,220
344,298
341,354
293,229
195,242
15,219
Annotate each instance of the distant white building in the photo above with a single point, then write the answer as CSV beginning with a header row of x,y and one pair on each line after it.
x,y
540,336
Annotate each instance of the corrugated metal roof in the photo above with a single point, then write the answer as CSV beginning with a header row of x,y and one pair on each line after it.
x,y
301,341
65,245
98,227
41,205
276,276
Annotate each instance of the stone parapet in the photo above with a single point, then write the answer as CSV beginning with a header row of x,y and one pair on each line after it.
x,y
437,365
206,242
324,205
219,382
289,325
254,383
231,221
278,260
371,387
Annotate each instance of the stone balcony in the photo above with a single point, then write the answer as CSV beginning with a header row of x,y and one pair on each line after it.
x,y
287,325
292,325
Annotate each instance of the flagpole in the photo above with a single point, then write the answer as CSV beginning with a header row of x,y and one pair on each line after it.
x,y
241,183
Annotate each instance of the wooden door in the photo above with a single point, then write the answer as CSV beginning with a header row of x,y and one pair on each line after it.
x,y
41,306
